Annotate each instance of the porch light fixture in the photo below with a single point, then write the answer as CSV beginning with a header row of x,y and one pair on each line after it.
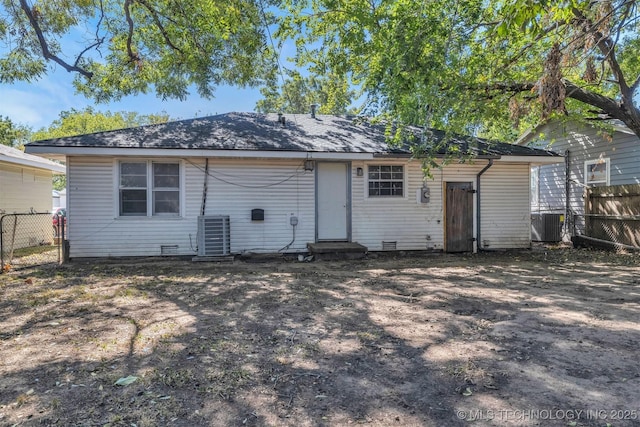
x,y
308,165
359,172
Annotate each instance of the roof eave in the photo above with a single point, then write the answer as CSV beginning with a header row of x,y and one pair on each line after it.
x,y
533,160
55,152
57,169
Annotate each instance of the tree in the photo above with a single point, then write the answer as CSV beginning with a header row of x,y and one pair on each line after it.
x,y
11,134
74,122
478,67
331,94
133,46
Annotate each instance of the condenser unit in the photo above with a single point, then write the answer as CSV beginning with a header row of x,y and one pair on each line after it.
x,y
214,236
546,227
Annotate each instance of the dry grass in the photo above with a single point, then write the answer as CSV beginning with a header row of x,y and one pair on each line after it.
x,y
413,340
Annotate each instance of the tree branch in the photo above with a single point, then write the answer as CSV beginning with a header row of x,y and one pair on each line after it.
x,y
133,57
609,105
612,107
99,40
163,31
607,48
46,53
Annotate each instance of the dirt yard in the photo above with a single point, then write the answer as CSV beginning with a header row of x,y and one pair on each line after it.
x,y
545,337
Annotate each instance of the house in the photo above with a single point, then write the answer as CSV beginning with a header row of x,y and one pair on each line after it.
x,y
593,158
25,181
59,198
244,182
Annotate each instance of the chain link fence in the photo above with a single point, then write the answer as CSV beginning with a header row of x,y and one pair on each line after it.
x,y
29,239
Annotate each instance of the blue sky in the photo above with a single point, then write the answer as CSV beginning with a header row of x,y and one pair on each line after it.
x,y
38,103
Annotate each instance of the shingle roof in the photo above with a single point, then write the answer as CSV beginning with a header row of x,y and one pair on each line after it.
x,y
260,132
15,156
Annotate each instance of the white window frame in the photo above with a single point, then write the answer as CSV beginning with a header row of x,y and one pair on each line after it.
x,y
391,180
150,189
535,187
606,161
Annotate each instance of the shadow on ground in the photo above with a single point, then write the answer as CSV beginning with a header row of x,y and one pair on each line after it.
x,y
533,338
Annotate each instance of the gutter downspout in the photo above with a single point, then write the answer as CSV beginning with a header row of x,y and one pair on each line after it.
x,y
567,194
478,215
204,187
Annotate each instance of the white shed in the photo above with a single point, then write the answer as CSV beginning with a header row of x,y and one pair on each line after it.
x,y
248,182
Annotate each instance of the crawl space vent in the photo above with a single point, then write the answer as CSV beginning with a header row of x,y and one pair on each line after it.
x,y
167,250
389,246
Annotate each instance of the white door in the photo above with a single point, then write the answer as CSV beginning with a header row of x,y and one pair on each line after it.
x,y
332,198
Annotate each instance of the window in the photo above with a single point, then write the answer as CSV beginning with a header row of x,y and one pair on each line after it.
x,y
535,192
596,171
149,189
386,180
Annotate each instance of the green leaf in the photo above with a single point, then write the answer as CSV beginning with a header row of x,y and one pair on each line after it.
x,y
125,381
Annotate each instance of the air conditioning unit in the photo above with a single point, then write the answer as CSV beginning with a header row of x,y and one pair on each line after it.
x,y
546,227
214,236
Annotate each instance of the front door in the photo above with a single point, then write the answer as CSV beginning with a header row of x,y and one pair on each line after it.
x,y
459,217
332,195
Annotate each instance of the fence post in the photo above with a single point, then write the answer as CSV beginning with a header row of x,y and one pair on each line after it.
x,y
2,243
63,240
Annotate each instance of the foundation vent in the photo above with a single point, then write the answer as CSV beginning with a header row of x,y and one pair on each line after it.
x,y
389,246
168,250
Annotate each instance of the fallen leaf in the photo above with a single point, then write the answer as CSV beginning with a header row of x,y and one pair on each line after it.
x,y
126,380
467,392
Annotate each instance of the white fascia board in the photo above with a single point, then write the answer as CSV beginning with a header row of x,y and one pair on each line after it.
x,y
534,160
60,169
526,136
183,153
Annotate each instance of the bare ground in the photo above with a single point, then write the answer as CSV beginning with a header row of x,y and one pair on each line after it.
x,y
543,337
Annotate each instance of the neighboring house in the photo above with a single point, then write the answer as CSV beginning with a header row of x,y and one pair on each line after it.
x,y
269,183
592,158
25,181
59,198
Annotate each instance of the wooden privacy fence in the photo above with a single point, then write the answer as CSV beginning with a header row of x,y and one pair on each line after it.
x,y
612,213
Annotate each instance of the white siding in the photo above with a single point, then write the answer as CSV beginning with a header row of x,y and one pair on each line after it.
x,y
417,226
282,188
551,194
24,189
403,220
506,219
234,188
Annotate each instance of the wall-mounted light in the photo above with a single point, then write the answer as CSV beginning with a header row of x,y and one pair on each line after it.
x,y
359,171
308,165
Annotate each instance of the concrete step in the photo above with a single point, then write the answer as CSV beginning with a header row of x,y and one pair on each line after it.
x,y
337,250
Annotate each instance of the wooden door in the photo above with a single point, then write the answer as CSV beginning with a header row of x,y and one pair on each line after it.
x,y
459,217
